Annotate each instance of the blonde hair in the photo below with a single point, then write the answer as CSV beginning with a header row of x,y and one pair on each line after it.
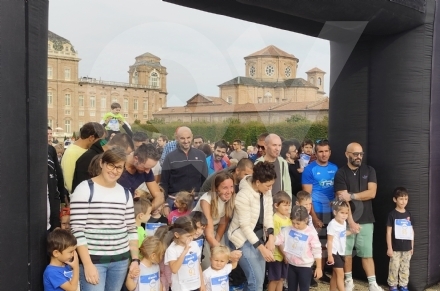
x,y
152,245
229,205
186,198
143,194
220,250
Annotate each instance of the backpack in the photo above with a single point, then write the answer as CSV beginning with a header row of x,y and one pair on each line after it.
x,y
91,186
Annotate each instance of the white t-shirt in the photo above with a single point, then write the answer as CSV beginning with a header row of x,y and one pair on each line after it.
x,y
188,276
157,170
338,231
217,280
149,278
220,207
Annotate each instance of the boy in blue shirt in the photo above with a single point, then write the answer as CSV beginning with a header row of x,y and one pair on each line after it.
x,y
62,273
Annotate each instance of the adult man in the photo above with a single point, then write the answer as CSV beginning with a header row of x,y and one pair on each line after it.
x,y
243,168
261,144
215,161
318,179
289,151
139,138
184,169
81,173
238,153
272,148
356,182
162,141
138,172
55,184
169,147
197,141
89,134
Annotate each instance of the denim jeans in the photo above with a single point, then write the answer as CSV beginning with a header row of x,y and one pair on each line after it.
x,y
253,265
111,277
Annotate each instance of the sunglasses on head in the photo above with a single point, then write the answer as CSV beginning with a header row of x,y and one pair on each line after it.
x,y
321,142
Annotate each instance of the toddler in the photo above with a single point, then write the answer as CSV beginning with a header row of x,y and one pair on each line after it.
x,y
216,277
65,218
183,202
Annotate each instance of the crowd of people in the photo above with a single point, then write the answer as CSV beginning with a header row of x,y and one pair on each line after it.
x,y
128,214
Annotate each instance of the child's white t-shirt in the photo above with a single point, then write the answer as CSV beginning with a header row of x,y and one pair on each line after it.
x,y
217,280
188,276
149,278
338,231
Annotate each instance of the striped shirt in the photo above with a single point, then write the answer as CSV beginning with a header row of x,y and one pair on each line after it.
x,y
106,224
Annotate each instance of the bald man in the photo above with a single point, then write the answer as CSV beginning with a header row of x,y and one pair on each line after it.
x,y
272,149
356,182
183,169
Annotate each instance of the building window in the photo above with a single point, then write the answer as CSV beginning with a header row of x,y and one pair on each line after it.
x,y
114,99
80,124
319,81
145,116
81,101
135,104
81,113
49,72
92,113
252,71
67,74
229,100
67,48
125,115
125,104
288,72
154,80
92,101
67,99
270,70
49,98
50,123
67,112
67,126
145,105
135,116
103,102
260,99
135,78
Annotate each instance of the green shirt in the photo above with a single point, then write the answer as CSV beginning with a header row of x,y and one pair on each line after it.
x,y
141,235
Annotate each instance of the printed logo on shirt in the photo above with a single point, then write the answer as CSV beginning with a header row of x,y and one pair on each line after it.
x,y
331,172
365,177
326,183
68,274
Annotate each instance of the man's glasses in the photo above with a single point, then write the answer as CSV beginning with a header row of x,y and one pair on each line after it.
x,y
260,147
357,154
111,167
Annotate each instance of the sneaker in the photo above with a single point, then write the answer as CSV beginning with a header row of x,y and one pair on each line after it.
x,y
404,288
393,288
325,278
374,287
349,285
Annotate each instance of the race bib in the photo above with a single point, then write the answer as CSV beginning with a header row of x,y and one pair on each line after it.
x,y
189,271
296,243
150,228
150,282
200,242
403,229
113,124
220,283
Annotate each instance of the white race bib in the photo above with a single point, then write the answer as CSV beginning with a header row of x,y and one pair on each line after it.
x,y
403,229
296,243
150,282
150,228
220,283
189,272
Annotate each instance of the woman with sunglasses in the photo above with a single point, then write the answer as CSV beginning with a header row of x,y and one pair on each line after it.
x,y
102,220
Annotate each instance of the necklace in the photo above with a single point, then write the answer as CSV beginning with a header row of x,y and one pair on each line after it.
x,y
354,172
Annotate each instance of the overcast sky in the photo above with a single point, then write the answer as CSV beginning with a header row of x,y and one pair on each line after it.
x,y
200,50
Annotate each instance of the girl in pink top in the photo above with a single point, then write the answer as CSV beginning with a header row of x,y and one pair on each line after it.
x,y
301,247
184,202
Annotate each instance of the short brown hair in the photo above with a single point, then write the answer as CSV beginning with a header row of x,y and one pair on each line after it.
x,y
141,205
115,105
303,195
281,197
59,240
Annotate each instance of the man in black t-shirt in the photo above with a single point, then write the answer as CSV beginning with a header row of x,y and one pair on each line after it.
x,y
356,182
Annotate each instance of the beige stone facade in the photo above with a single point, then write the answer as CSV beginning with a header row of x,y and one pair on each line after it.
x,y
74,101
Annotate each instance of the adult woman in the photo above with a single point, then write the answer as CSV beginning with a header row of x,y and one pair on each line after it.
x,y
251,228
102,220
218,206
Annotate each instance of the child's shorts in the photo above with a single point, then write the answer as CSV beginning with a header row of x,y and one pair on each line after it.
x,y
277,270
339,261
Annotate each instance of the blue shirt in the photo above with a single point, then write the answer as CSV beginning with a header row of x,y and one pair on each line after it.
x,y
322,179
133,181
168,148
55,276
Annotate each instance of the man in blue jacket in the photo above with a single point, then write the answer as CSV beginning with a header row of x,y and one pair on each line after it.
x,y
215,161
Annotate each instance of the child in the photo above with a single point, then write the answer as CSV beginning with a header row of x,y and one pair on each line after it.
x,y
184,201
216,277
113,120
65,218
336,240
304,198
200,222
156,220
142,193
277,270
62,273
183,256
165,271
142,213
301,248
400,241
152,251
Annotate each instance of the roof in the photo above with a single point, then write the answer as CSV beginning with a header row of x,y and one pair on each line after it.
x,y
297,82
200,99
58,41
322,104
271,51
148,55
315,70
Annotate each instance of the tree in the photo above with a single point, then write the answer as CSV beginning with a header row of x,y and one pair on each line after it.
x,y
296,118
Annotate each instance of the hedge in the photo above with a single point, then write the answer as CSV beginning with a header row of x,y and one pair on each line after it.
x,y
244,131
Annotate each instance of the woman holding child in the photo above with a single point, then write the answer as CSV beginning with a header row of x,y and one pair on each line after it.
x,y
102,220
251,228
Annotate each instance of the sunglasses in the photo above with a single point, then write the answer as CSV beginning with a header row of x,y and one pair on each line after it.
x,y
321,142
260,147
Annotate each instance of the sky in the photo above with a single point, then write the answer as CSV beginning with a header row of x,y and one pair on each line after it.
x,y
200,50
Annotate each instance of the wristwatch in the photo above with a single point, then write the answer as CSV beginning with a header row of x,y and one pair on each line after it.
x,y
352,196
136,260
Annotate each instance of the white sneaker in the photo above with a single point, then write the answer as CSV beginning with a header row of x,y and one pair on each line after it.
x,y
374,287
349,285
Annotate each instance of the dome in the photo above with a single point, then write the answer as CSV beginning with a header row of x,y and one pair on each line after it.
x,y
59,42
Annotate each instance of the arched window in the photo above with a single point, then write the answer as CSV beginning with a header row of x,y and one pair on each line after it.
x,y
229,100
319,81
135,78
154,80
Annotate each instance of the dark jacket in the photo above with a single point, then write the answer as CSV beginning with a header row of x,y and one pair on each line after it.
x,y
82,164
55,187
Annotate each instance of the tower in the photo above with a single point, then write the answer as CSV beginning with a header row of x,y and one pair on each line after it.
x,y
316,77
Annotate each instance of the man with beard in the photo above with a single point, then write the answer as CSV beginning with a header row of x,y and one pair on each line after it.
x,y
215,161
356,182
261,144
